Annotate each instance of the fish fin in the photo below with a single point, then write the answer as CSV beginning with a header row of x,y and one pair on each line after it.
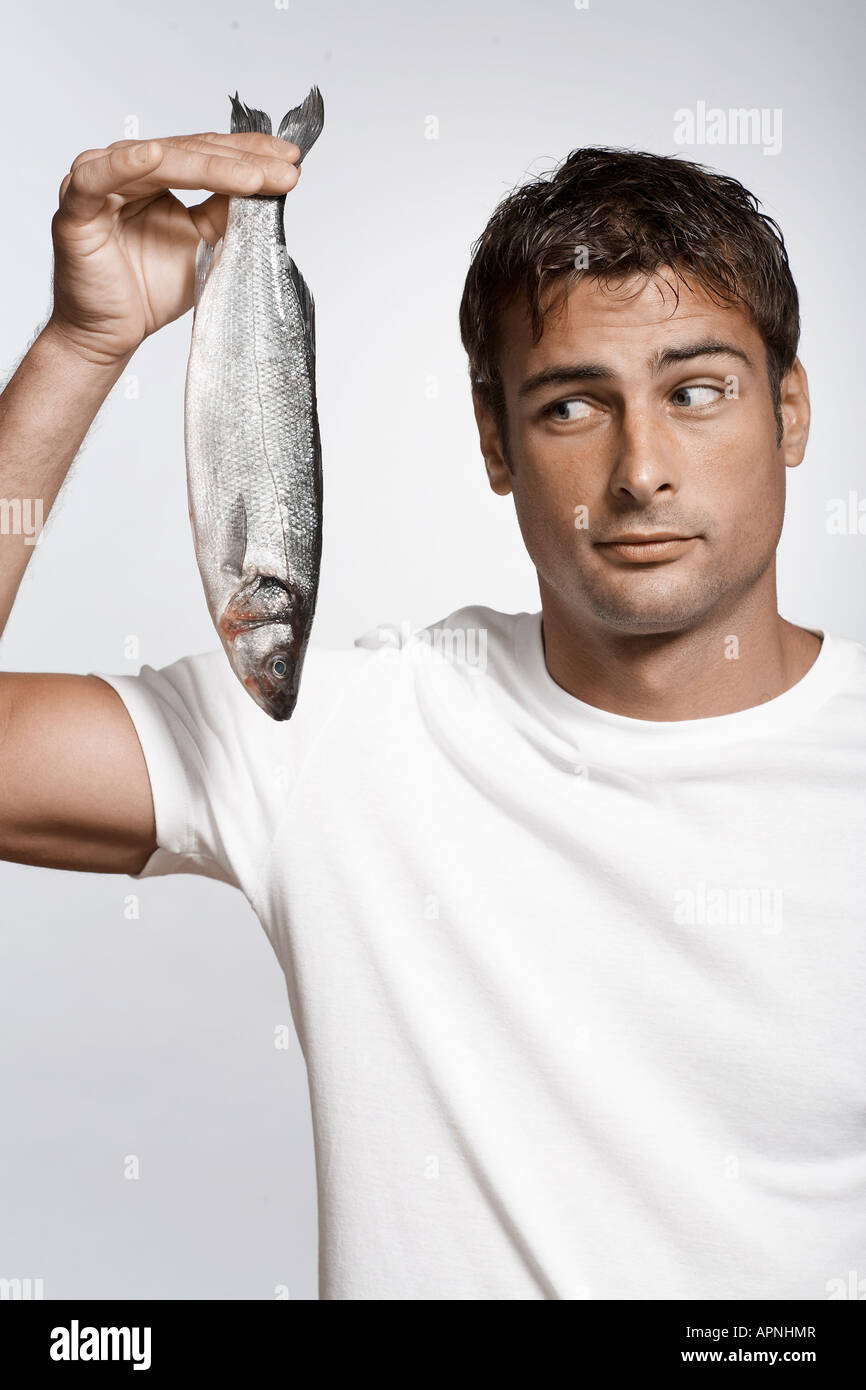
x,y
247,118
307,307
203,262
236,538
303,124
206,257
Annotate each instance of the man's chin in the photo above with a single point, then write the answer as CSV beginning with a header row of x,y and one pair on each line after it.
x,y
650,612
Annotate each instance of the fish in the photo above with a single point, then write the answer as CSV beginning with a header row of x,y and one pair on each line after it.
x,y
251,433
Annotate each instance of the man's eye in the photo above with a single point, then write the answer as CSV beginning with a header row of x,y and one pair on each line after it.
x,y
559,410
696,395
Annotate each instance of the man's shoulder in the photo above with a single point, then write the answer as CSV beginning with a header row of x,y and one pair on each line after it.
x,y
844,662
203,687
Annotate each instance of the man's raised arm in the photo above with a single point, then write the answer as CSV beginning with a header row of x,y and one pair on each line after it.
x,y
74,788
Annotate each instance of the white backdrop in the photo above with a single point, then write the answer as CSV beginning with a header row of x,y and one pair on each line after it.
x,y
154,1035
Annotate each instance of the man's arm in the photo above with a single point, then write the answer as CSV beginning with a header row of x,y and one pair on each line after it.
x,y
74,788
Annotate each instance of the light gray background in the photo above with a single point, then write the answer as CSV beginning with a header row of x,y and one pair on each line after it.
x,y
155,1036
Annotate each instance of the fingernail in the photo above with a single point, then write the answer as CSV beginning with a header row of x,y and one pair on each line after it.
x,y
278,171
141,153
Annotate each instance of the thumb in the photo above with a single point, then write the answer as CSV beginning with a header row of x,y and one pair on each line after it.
x,y
209,218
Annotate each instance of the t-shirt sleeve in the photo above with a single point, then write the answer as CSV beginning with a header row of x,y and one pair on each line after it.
x,y
222,771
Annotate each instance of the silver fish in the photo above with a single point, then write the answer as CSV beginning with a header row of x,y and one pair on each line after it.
x,y
253,453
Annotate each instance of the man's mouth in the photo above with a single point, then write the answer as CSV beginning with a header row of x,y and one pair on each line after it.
x,y
646,547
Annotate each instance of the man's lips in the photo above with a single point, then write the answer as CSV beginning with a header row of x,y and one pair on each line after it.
x,y
648,546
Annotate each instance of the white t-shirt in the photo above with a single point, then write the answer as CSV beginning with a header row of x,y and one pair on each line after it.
x,y
582,997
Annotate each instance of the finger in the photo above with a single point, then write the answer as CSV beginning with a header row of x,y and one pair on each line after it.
x,y
90,180
247,145
209,218
79,159
271,154
240,143
139,169
89,154
224,171
229,171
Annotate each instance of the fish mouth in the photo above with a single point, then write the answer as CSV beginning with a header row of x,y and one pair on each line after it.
x,y
263,631
232,627
280,704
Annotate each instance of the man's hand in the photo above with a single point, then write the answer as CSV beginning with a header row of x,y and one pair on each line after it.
x,y
124,246
74,786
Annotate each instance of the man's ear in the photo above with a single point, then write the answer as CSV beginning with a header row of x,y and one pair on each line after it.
x,y
794,403
498,472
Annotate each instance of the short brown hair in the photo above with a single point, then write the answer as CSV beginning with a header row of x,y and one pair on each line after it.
x,y
630,212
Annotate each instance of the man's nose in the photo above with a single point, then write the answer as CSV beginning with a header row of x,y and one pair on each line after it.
x,y
645,461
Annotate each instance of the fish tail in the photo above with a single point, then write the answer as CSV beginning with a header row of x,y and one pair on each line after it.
x,y
247,118
303,124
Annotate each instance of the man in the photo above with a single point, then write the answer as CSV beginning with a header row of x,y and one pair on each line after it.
x,y
569,903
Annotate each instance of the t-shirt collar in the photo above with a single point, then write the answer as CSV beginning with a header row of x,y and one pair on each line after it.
x,y
555,704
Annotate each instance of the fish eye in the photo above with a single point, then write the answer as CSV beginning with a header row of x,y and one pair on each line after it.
x,y
279,667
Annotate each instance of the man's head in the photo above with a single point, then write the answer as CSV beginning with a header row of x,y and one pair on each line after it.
x,y
632,328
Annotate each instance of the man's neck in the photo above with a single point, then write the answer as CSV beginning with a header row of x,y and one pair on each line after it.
x,y
729,662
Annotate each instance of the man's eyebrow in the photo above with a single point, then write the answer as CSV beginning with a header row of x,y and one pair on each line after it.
x,y
596,371
708,347
555,376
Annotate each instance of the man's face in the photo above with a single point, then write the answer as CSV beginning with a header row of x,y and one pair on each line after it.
x,y
659,419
